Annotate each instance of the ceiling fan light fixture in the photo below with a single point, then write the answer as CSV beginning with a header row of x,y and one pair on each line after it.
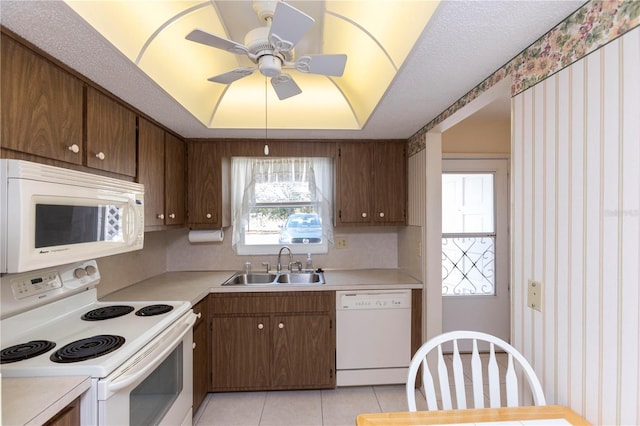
x,y
270,65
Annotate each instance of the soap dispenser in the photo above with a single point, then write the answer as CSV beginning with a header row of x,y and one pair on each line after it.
x,y
309,265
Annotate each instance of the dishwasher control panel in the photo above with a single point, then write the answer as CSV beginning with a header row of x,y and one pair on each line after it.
x,y
374,300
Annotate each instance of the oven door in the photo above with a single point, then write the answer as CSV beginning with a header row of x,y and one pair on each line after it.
x,y
155,386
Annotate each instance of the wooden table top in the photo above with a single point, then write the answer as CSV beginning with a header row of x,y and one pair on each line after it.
x,y
406,418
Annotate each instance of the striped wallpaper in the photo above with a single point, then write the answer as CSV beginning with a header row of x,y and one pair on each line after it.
x,y
576,227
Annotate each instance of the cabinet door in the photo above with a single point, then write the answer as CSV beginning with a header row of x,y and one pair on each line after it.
x,y
111,135
151,171
205,183
68,416
174,176
302,355
201,371
353,179
41,106
389,189
240,348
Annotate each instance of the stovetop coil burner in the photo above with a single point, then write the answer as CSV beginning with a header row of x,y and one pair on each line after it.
x,y
24,351
91,347
107,312
152,310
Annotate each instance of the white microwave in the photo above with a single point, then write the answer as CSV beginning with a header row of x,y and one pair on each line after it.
x,y
51,216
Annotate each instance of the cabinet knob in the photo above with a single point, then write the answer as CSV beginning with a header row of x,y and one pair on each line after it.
x,y
172,215
74,148
160,216
260,326
100,156
199,315
364,215
193,346
281,325
208,215
381,214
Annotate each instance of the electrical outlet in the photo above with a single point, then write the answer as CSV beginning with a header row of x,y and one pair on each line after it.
x,y
341,242
534,295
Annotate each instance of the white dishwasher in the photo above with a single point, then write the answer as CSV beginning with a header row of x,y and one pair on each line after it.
x,y
373,337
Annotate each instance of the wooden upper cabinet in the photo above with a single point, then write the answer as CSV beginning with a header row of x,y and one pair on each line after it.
x,y
207,172
389,183
111,134
41,105
174,180
161,169
354,183
371,183
151,156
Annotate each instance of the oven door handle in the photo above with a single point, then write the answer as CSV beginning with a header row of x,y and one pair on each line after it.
x,y
157,359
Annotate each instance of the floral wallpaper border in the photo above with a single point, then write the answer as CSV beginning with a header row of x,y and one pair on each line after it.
x,y
595,24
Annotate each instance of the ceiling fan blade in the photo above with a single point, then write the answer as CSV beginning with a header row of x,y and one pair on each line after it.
x,y
284,86
218,42
288,27
322,64
231,76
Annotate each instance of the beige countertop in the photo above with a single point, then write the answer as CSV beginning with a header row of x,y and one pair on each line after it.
x,y
193,286
34,400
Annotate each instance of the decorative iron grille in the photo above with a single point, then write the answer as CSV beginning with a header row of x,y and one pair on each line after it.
x,y
468,266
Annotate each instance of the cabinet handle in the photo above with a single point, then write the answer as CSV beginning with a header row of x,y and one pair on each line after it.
x,y
281,325
199,315
193,346
381,214
260,326
74,148
172,215
100,156
160,216
208,215
364,215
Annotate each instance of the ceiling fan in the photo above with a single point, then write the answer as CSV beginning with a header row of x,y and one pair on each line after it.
x,y
270,48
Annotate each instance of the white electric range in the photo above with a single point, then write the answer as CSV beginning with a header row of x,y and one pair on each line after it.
x,y
138,354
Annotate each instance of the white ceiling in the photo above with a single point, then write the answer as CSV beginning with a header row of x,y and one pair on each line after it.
x,y
465,42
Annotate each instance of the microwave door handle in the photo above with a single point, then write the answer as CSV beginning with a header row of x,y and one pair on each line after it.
x,y
134,228
120,384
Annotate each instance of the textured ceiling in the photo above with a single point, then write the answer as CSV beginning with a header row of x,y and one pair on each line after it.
x,y
464,43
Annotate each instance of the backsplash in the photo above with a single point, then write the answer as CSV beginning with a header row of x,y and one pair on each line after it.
x,y
368,247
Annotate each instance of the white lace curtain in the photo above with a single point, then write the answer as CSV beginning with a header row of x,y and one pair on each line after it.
x,y
255,180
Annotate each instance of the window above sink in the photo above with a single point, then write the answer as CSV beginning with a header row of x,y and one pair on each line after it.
x,y
281,201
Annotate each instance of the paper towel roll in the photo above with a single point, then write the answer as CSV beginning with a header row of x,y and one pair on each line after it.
x,y
208,236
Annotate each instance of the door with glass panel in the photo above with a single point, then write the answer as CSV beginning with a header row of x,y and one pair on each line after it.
x,y
475,246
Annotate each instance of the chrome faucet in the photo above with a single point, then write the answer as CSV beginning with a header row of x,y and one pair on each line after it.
x,y
279,266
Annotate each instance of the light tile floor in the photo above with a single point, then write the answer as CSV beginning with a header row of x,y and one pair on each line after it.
x,y
334,407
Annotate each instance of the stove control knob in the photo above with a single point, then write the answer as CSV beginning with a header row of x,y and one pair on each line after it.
x,y
91,269
79,273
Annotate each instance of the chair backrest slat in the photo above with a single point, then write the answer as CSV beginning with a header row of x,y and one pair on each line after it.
x,y
511,383
437,362
494,379
476,377
458,377
443,379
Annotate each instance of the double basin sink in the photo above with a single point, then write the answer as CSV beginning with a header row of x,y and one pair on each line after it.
x,y
282,278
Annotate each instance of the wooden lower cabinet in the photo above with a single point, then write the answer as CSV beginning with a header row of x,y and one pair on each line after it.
x,y
263,341
68,416
201,369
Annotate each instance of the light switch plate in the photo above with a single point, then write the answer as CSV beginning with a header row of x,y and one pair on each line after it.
x,y
534,295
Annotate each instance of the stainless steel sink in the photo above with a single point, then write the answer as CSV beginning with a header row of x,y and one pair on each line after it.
x,y
291,278
301,278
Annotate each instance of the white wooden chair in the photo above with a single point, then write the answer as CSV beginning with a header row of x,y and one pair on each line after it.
x,y
509,381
